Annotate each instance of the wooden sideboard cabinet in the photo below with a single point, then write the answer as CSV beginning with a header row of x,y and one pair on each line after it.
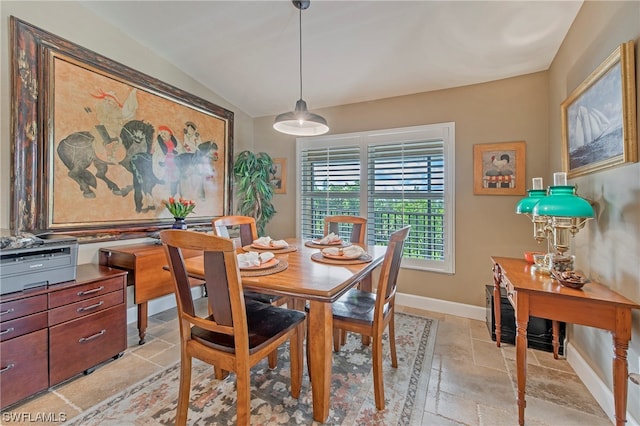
x,y
145,266
51,333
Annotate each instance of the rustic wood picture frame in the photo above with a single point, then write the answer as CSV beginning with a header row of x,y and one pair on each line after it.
x,y
79,173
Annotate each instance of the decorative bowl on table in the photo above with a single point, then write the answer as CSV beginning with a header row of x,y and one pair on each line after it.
x,y
529,256
571,279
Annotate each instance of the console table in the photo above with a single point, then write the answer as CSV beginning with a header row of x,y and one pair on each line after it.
x,y
595,305
144,264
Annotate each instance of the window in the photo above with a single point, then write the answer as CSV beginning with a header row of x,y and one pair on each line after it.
x,y
392,177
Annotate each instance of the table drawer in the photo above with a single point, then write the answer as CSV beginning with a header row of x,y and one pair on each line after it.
x,y
85,307
23,367
78,345
86,291
21,326
22,307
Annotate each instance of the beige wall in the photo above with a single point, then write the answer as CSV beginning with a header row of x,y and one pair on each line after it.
x,y
73,22
609,248
515,109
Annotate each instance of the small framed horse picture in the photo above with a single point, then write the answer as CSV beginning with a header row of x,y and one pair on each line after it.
x,y
117,144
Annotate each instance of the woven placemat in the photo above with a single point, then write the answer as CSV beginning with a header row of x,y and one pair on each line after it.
x,y
318,257
314,245
272,250
281,266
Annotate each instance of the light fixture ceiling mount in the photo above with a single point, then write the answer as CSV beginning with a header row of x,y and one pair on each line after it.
x,y
301,122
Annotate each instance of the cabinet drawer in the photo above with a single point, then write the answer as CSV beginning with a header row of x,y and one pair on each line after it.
x,y
86,291
85,307
78,345
24,325
23,367
22,307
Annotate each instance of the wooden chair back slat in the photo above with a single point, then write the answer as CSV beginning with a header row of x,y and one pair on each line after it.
x,y
358,229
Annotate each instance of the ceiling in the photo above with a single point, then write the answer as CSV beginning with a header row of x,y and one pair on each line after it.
x,y
353,51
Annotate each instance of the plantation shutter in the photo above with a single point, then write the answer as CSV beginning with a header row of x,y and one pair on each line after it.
x,y
406,186
330,185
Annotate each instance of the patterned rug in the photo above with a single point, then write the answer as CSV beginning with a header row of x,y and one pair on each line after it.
x,y
212,402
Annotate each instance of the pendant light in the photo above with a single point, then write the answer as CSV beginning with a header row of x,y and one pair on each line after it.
x,y
301,122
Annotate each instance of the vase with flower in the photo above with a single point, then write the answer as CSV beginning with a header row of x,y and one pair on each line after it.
x,y
179,209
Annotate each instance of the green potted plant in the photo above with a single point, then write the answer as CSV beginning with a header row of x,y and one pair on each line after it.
x,y
255,191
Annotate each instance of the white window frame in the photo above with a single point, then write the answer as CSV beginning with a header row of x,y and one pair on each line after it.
x,y
441,131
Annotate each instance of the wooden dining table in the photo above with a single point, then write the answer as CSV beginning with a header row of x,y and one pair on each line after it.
x,y
320,284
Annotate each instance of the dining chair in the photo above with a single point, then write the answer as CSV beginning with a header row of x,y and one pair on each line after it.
x,y
358,227
238,332
358,235
369,314
248,234
247,228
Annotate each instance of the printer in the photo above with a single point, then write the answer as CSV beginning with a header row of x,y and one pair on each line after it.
x,y
36,261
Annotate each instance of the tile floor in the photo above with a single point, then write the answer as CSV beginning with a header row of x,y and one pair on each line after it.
x,y
472,381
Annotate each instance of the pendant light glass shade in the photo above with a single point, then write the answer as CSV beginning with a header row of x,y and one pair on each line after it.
x,y
301,122
562,202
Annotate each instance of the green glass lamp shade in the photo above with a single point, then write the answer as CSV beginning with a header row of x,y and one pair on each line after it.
x,y
562,202
526,205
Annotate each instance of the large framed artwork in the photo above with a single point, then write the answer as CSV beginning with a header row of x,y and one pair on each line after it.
x,y
98,147
599,117
499,168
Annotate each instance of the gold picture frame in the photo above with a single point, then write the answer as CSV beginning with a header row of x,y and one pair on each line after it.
x,y
599,117
278,176
499,168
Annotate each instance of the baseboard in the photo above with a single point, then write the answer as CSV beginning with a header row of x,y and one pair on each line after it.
x,y
596,386
441,306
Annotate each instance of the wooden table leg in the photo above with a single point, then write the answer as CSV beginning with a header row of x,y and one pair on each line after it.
x,y
320,357
522,320
555,331
621,337
143,321
497,312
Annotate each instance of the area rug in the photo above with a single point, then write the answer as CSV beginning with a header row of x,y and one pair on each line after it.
x,y
212,402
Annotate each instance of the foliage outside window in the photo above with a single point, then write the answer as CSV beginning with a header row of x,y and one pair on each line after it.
x,y
393,178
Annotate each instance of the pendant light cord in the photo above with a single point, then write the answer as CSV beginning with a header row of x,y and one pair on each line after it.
x,y
300,24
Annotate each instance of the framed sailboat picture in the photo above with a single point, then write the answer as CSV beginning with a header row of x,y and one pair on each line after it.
x,y
599,117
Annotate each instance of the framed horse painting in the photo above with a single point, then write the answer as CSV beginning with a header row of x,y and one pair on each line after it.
x,y
99,148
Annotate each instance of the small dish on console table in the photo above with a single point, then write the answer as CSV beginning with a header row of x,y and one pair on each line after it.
x,y
571,279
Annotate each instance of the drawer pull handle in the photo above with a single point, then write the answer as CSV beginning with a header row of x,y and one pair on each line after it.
x,y
8,367
8,330
8,311
88,308
95,336
95,290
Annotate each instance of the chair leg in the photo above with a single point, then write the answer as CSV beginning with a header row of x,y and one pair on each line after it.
x,y
243,404
184,390
273,359
219,373
336,339
295,347
378,385
392,342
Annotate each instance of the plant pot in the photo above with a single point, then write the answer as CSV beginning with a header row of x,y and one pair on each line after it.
x,y
179,223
